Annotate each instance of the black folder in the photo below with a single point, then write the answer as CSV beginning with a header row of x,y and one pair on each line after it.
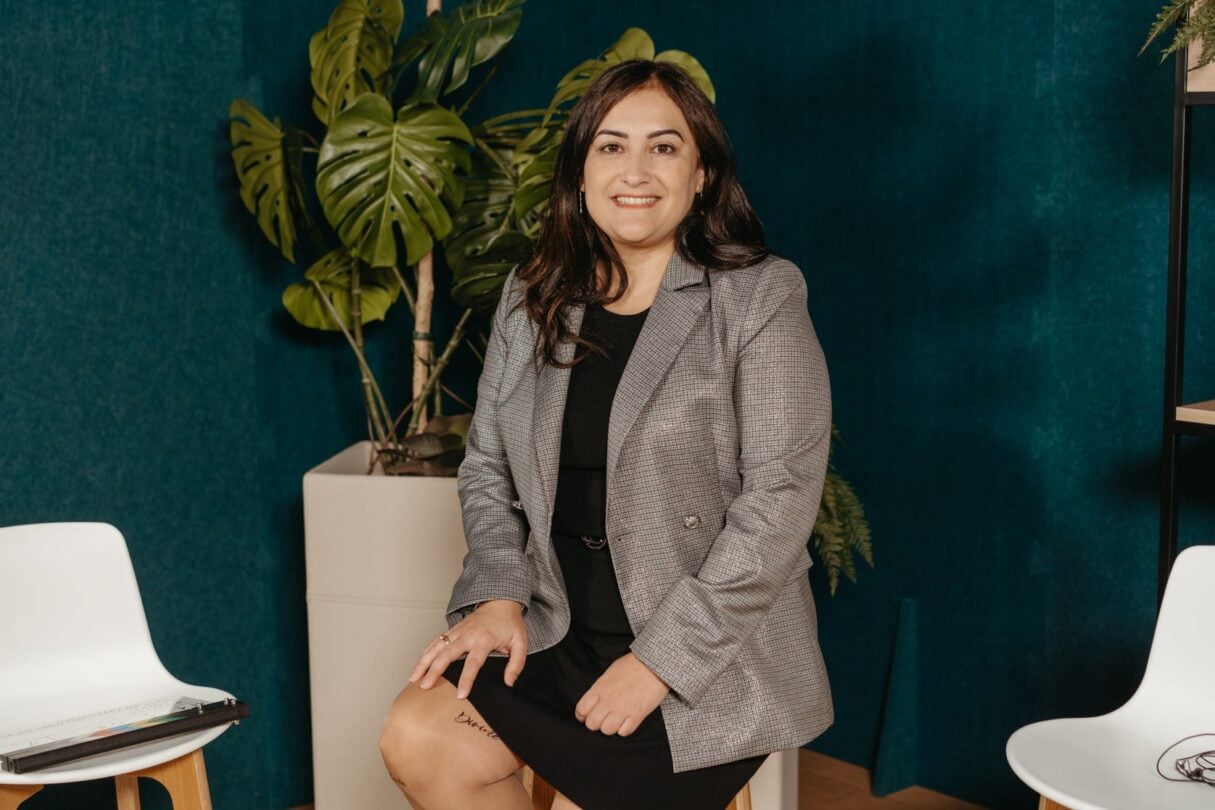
x,y
192,716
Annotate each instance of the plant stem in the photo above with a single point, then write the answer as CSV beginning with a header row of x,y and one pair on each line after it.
x,y
358,353
423,344
489,123
356,324
436,372
456,396
489,75
405,289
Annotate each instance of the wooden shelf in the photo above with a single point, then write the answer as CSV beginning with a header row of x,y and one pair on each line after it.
x,y
1202,413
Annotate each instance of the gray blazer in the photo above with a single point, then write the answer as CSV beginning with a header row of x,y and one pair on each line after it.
x,y
717,451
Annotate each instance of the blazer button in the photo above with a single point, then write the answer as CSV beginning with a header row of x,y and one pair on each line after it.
x,y
516,504
691,521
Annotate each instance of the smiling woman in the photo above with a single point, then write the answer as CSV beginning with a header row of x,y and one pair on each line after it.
x,y
635,598
641,176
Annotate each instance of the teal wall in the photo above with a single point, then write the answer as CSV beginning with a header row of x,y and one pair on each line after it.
x,y
978,194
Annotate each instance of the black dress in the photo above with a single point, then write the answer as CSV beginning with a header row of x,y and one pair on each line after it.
x,y
535,717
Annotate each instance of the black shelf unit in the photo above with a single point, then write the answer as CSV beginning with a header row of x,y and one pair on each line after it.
x,y
1174,360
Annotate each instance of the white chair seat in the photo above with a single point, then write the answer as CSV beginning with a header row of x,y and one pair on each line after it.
x,y
74,641
1108,762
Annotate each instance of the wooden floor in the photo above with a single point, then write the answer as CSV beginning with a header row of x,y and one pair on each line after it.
x,y
831,784
824,783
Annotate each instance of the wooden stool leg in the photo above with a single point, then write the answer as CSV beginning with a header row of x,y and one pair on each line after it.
x,y
127,788
543,794
11,796
743,800
185,778
1046,804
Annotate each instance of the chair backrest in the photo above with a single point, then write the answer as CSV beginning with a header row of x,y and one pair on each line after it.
x,y
70,610
1182,659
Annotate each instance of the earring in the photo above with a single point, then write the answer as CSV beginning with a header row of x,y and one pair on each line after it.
x,y
580,196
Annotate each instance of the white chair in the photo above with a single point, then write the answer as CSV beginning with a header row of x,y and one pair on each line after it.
x,y
1109,762
73,641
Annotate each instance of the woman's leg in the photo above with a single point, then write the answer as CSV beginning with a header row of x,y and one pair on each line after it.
x,y
443,755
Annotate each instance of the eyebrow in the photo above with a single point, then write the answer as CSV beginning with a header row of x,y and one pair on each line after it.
x,y
654,134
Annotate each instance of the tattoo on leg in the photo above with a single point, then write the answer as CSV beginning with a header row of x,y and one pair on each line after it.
x,y
400,782
468,720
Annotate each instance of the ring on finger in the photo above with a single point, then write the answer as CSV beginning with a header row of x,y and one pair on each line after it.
x,y
444,638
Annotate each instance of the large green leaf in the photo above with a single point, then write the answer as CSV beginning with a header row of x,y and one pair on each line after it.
x,y
378,290
535,184
353,53
377,176
454,44
485,242
634,43
693,68
265,183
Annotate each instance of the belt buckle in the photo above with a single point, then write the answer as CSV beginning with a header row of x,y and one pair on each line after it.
x,y
593,542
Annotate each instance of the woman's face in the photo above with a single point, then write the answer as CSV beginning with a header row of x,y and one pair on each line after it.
x,y
642,171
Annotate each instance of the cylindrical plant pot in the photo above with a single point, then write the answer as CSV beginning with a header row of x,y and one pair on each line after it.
x,y
1201,80
382,553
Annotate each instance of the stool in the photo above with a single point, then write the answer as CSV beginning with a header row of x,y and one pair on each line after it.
x,y
185,779
543,793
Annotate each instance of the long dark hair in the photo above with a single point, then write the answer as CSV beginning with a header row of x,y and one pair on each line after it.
x,y
721,232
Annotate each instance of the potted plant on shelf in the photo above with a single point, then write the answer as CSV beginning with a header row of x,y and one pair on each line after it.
x,y
1195,22
399,173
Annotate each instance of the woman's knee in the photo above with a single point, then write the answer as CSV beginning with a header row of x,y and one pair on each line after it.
x,y
408,743
422,746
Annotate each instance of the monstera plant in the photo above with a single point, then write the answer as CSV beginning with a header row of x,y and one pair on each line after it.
x,y
399,172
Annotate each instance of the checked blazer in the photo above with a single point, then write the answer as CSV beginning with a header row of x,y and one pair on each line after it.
x,y
716,455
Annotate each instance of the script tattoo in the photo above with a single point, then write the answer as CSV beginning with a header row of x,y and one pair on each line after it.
x,y
468,720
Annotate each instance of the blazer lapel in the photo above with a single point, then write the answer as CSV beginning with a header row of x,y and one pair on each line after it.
x,y
680,299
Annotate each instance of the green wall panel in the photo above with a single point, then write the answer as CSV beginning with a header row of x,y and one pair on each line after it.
x,y
978,195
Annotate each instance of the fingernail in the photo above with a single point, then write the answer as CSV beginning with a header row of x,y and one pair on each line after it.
x,y
461,694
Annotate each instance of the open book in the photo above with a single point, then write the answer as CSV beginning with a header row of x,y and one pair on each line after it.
x,y
78,737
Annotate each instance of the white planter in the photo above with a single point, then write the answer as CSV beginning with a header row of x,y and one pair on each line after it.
x,y
382,553
1201,80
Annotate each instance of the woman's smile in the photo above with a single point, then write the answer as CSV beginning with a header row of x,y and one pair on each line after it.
x,y
636,202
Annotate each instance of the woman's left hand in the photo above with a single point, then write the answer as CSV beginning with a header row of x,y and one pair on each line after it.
x,y
621,698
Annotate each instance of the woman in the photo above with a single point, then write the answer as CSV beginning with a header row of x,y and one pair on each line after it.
x,y
636,515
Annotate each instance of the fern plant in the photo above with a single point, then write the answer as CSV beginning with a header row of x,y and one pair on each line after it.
x,y
1195,21
841,530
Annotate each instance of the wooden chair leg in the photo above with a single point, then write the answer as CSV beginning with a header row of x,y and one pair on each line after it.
x,y
743,800
543,794
1047,804
11,796
127,787
185,778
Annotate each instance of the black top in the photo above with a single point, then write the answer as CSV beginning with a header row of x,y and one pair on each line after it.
x,y
582,470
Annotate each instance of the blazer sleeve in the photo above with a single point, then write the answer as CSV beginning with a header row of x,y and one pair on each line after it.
x,y
495,566
782,401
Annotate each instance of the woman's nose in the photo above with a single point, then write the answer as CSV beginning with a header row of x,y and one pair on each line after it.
x,y
636,169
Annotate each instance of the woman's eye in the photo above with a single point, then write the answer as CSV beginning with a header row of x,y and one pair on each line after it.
x,y
609,147
665,148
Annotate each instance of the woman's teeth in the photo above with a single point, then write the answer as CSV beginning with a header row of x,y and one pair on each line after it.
x,y
636,200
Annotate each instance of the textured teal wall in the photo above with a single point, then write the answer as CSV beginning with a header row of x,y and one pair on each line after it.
x,y
977,193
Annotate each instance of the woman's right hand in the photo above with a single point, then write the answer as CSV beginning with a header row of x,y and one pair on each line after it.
x,y
494,625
